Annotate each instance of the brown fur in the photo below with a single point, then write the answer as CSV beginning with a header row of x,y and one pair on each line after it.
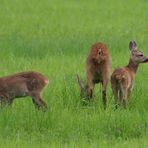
x,y
98,68
21,85
122,79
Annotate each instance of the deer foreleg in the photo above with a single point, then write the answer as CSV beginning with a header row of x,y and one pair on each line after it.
x,y
104,99
38,101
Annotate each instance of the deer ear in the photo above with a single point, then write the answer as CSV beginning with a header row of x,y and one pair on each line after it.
x,y
80,82
132,45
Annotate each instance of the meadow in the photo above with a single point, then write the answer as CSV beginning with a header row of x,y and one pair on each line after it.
x,y
54,37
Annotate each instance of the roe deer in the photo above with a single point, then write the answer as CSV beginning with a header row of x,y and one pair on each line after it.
x,y
98,69
122,79
21,85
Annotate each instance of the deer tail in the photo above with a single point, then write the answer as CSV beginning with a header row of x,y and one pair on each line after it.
x,y
120,77
46,81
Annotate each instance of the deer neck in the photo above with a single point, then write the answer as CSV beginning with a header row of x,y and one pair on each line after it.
x,y
133,66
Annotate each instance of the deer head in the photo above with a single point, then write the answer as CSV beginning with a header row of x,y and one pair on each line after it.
x,y
99,52
136,55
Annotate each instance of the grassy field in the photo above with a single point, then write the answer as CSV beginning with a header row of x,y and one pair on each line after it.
x,y
54,37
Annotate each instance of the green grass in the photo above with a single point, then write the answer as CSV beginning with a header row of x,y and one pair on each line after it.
x,y
54,37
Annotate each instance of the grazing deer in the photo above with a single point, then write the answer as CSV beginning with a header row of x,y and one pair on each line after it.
x,y
21,85
98,69
122,79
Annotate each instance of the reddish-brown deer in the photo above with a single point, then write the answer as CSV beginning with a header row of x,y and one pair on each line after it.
x,y
122,79
21,85
98,69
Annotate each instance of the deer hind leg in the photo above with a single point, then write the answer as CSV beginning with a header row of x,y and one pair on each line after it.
x,y
115,91
129,92
9,102
124,91
5,101
37,100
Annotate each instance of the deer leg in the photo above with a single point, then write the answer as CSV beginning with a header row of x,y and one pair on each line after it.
x,y
116,99
129,91
124,96
124,101
90,84
120,96
6,104
104,86
90,90
3,103
115,94
6,101
38,101
9,102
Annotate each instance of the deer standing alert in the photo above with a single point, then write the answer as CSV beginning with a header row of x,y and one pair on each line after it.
x,y
98,70
122,79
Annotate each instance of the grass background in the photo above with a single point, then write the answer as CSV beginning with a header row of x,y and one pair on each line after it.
x,y
54,37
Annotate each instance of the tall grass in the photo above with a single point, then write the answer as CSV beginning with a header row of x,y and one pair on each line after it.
x,y
54,37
